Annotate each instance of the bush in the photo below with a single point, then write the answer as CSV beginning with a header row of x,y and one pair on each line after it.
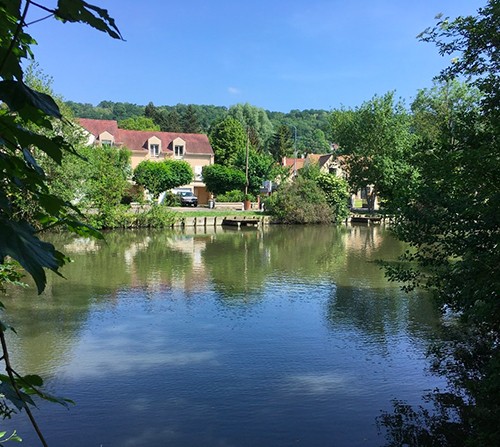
x,y
134,193
232,196
156,216
299,202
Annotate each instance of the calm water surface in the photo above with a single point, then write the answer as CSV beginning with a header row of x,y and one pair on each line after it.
x,y
281,337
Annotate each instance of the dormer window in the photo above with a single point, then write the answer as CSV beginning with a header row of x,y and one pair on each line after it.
x,y
154,146
106,139
179,151
154,150
179,146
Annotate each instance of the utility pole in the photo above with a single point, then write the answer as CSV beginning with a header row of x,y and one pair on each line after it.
x,y
295,152
246,162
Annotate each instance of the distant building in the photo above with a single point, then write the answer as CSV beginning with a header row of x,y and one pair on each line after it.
x,y
155,145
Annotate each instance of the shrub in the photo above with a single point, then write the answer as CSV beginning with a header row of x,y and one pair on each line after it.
x,y
231,196
299,202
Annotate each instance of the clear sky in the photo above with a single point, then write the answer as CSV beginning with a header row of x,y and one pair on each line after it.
x,y
275,54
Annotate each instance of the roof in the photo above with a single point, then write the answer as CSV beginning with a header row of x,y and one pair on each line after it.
x,y
137,140
297,163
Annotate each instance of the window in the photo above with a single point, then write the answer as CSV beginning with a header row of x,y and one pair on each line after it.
x,y
198,173
107,142
154,150
179,151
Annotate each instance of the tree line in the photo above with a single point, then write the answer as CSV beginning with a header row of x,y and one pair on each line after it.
x,y
312,127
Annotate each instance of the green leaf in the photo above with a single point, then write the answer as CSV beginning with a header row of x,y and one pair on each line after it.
x,y
33,380
20,98
18,240
80,11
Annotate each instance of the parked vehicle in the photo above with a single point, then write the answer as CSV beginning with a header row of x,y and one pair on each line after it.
x,y
187,198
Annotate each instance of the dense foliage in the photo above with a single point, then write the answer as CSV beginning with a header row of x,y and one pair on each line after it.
x,y
376,140
220,179
30,126
227,138
450,219
299,202
313,128
159,176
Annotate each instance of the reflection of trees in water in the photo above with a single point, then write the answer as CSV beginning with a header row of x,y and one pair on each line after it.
x,y
237,264
379,314
48,324
241,263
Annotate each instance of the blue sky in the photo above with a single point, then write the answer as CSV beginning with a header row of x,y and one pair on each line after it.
x,y
275,54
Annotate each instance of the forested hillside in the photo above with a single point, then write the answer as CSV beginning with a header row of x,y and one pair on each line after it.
x,y
310,126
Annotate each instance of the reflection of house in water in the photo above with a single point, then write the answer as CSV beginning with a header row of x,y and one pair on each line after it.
x,y
361,238
82,245
179,265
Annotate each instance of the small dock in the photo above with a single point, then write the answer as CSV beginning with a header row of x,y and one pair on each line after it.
x,y
366,219
243,221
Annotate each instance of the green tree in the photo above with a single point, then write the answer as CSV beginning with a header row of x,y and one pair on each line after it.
x,y
159,176
26,123
281,144
299,202
452,224
220,179
157,116
256,122
336,191
172,121
190,122
377,141
227,138
261,167
138,123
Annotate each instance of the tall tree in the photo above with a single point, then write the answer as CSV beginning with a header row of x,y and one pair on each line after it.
x,y
172,121
256,122
282,144
227,138
451,221
190,120
376,140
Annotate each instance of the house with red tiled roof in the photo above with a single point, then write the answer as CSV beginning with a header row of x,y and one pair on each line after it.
x,y
329,164
155,145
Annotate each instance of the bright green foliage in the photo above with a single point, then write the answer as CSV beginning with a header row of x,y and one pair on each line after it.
x,y
25,108
256,122
159,176
236,195
336,190
138,123
227,138
377,141
261,167
310,171
299,202
281,145
30,130
451,220
220,179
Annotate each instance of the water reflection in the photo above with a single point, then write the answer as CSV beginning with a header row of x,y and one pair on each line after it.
x,y
263,337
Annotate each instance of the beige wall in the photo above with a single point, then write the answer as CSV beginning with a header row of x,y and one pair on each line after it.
x,y
196,161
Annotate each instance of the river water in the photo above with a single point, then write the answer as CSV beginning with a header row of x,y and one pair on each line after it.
x,y
287,336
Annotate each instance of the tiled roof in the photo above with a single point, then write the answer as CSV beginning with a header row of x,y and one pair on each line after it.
x,y
137,140
294,162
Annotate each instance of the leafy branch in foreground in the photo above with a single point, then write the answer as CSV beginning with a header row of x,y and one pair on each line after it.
x,y
28,132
